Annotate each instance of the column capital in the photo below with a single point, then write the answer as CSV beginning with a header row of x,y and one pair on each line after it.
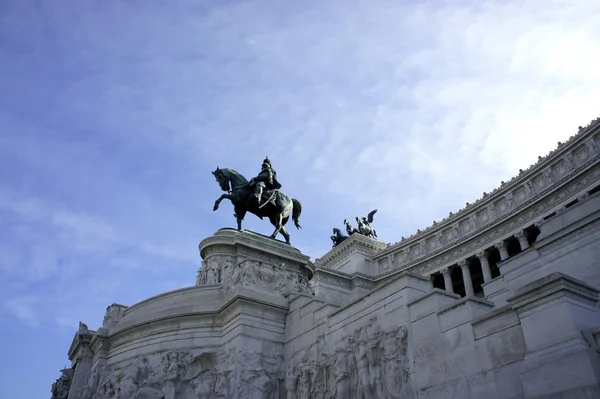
x,y
500,245
446,271
464,264
522,235
482,255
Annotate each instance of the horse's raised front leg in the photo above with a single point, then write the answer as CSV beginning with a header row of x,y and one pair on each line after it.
x,y
218,201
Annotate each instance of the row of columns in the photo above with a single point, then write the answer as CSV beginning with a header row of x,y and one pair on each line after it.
x,y
485,265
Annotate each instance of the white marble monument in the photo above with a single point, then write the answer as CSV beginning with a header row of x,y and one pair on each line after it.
x,y
499,300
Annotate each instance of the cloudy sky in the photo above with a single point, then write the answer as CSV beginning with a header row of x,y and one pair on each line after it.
x,y
114,113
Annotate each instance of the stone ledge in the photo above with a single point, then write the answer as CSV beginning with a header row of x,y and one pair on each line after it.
x,y
465,300
555,283
249,239
463,311
432,292
498,320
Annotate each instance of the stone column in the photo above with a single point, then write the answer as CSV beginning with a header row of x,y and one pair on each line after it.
x,y
485,266
501,246
466,273
522,237
431,278
447,280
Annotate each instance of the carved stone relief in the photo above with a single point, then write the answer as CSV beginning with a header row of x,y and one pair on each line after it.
x,y
188,374
60,388
369,363
261,275
114,314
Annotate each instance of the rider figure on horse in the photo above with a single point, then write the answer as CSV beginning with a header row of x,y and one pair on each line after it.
x,y
266,179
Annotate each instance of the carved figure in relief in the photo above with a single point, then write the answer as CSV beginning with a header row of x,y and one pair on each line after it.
x,y
227,268
304,383
423,248
362,365
492,211
212,272
260,385
301,283
570,160
341,372
510,199
203,386
201,278
456,232
280,281
529,189
291,381
548,175
440,240
393,353
591,145
171,375
60,388
114,314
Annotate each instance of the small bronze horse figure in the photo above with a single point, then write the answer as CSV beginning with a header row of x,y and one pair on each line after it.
x,y
242,197
337,238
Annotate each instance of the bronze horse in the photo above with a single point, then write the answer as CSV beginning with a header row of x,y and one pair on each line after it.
x,y
242,197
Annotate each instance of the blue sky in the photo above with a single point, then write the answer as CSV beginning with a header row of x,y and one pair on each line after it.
x,y
114,113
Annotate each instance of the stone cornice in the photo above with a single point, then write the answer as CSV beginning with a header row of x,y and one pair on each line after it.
x,y
231,237
543,290
532,212
554,158
354,243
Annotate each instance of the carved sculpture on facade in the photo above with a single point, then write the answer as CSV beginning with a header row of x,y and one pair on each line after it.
x,y
60,388
226,374
367,364
114,314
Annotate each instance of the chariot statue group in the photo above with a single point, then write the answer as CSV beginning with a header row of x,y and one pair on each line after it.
x,y
363,227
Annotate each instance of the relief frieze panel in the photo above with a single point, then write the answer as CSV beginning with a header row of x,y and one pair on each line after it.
x,y
369,362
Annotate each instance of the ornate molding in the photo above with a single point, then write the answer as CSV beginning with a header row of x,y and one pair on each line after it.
x,y
356,243
540,207
528,187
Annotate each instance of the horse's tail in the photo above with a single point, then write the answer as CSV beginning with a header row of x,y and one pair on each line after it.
x,y
296,212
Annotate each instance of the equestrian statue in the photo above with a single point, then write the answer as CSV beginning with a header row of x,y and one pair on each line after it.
x,y
260,196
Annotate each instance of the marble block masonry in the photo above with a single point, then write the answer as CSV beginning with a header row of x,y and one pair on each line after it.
x,y
498,300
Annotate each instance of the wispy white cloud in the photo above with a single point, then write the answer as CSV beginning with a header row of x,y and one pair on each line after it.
x,y
23,308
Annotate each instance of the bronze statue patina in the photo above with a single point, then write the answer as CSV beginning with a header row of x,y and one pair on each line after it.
x,y
364,228
267,178
364,225
349,228
260,196
337,238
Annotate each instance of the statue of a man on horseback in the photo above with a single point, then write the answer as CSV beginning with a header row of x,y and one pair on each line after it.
x,y
266,179
249,196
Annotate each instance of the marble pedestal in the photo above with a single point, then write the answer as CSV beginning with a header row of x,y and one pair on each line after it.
x,y
222,338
